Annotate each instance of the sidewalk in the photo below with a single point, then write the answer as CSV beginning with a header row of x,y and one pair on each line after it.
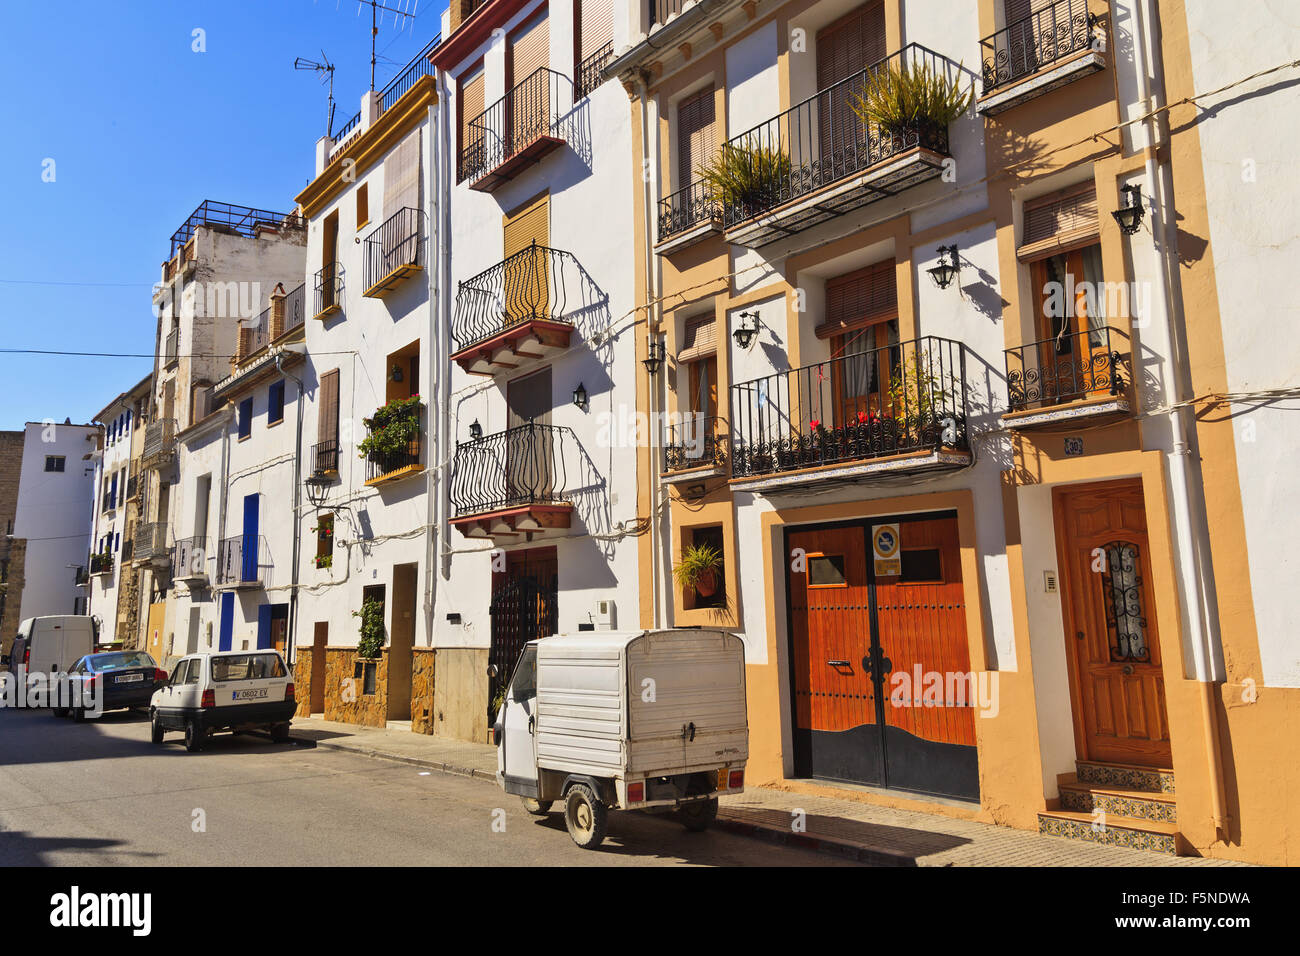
x,y
872,834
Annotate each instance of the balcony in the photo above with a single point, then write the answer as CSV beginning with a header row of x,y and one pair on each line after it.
x,y
109,501
515,312
890,411
696,448
295,310
324,458
82,578
589,71
159,443
394,252
254,335
329,290
171,348
101,563
190,560
132,488
662,10
512,484
686,217
392,443
515,132
1040,53
243,562
1067,379
149,544
822,160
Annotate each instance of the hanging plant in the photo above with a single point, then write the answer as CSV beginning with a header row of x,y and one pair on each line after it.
x,y
392,428
372,628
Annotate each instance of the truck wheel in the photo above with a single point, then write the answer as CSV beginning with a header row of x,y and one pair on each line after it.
x,y
585,816
538,808
698,815
193,737
280,732
155,729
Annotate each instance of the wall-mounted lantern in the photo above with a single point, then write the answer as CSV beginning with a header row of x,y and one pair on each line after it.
x,y
948,267
744,334
1130,217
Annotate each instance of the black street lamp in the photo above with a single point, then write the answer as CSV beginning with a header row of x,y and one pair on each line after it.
x,y
654,356
318,488
948,267
744,334
475,431
580,396
1130,217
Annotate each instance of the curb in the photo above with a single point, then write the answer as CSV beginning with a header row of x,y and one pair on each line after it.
x,y
400,758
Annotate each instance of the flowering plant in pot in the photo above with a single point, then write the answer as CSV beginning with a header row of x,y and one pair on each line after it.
x,y
324,560
392,429
699,568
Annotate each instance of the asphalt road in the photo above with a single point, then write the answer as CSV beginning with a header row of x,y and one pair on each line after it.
x,y
100,794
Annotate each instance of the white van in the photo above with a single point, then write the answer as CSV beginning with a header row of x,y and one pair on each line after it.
x,y
52,644
632,720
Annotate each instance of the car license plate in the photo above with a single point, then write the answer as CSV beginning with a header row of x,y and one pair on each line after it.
x,y
253,694
128,679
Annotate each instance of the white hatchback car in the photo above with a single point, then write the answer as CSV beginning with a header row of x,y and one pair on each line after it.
x,y
227,690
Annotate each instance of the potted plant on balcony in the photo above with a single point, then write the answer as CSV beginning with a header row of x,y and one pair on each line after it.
x,y
920,399
746,178
324,560
372,629
391,430
699,568
906,98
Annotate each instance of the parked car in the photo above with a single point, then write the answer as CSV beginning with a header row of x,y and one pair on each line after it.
x,y
119,679
639,720
51,644
227,690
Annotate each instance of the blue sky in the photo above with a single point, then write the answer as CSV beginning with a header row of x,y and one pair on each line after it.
x,y
141,129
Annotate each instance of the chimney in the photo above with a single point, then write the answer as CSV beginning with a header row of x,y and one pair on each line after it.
x,y
277,311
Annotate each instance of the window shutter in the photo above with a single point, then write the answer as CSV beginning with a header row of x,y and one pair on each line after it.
x,y
327,422
530,49
696,135
595,26
850,44
700,340
471,108
402,176
860,298
1060,221
526,225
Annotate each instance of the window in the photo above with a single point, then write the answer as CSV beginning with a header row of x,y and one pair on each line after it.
x,y
363,204
275,403
710,591
192,672
247,667
325,541
364,671
471,108
921,566
245,420
1122,587
826,570
327,422
523,685
696,136
55,462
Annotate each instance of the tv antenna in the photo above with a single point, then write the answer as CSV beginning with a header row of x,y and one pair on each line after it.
x,y
399,18
326,69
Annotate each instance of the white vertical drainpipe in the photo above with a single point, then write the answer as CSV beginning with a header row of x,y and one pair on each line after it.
x,y
434,203
1190,532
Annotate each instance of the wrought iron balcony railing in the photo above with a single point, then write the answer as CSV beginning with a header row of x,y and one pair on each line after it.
x,y
132,488
696,442
171,348
150,541
329,288
892,400
588,77
524,465
381,465
190,557
418,66
242,561
528,286
254,334
515,125
109,501
295,309
686,208
324,458
1066,368
394,250
823,140
1037,41
159,442
101,563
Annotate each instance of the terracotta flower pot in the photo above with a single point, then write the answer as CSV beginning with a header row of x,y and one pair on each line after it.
x,y
707,584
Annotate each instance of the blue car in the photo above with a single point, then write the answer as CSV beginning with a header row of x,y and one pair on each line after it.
x,y
116,679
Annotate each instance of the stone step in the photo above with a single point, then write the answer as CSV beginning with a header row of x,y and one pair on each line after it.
x,y
1118,801
1126,776
1111,830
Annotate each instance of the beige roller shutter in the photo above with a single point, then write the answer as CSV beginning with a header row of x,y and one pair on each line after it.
x,y
700,339
860,298
530,49
696,135
850,44
471,108
527,278
402,176
1060,221
327,421
595,26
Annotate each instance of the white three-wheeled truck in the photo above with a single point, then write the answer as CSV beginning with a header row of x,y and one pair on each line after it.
x,y
625,720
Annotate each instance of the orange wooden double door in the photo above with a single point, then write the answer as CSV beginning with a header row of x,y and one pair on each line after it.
x,y
1116,681
880,666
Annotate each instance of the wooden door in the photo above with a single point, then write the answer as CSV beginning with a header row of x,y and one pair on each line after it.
x,y
1073,354
319,640
401,644
1117,684
861,381
836,727
530,443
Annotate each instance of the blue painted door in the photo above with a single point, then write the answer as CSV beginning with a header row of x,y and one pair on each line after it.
x,y
249,569
227,621
264,626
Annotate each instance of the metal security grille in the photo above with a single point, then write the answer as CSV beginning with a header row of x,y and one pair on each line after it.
x,y
524,607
